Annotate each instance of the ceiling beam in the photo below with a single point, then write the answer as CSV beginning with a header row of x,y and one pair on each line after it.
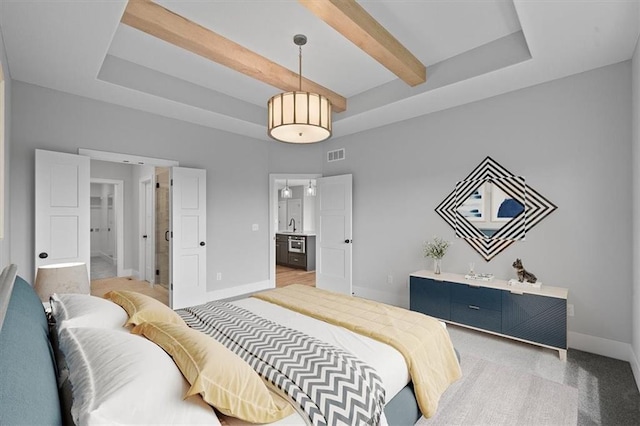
x,y
159,22
352,21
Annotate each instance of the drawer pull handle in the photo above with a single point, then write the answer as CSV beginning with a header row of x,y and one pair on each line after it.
x,y
474,307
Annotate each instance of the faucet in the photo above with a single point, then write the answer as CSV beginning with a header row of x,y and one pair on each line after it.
x,y
294,224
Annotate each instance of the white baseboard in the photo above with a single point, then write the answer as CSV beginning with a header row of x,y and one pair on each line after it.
x,y
228,293
388,297
600,346
129,273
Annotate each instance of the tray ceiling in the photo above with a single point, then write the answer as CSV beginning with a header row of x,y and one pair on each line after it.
x,y
472,50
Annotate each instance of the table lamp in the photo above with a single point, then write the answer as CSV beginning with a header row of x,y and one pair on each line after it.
x,y
62,278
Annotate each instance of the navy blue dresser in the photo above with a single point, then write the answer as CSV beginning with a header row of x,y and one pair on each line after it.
x,y
532,315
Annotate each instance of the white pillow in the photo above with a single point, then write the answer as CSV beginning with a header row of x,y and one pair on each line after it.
x,y
82,310
121,378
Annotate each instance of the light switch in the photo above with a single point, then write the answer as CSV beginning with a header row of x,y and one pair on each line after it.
x,y
255,227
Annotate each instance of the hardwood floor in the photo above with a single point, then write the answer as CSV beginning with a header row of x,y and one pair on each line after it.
x,y
101,287
286,276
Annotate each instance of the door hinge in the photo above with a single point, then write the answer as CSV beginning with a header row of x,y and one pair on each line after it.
x,y
171,286
157,271
171,182
157,185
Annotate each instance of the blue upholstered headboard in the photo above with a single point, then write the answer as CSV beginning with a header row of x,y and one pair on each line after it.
x,y
28,379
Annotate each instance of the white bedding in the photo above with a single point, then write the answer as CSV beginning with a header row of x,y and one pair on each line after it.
x,y
95,313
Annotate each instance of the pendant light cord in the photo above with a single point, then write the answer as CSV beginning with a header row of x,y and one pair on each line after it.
x,y
300,67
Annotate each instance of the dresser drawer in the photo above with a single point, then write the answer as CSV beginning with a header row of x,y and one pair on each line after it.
x,y
476,316
487,298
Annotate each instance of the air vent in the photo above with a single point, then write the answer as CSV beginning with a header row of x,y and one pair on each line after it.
x,y
335,155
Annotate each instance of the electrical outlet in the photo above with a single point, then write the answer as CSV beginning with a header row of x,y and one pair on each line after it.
x,y
570,310
219,276
389,279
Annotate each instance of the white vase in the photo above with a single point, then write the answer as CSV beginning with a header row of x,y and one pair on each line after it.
x,y
437,263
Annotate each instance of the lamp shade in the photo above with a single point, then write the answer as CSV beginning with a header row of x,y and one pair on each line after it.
x,y
62,278
299,117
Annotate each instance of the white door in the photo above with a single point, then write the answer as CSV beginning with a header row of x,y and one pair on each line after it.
x,y
333,240
189,231
62,212
148,232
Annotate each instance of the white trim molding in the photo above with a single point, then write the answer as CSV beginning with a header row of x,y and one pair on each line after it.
x,y
600,346
117,157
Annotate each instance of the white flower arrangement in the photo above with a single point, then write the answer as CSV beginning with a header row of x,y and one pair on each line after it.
x,y
437,248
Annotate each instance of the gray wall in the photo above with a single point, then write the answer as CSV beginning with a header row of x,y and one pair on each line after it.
x,y
5,243
237,171
570,139
635,320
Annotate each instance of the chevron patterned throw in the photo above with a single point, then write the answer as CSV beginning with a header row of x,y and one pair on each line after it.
x,y
330,386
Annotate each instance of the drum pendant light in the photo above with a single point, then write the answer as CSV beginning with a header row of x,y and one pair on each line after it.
x,y
299,117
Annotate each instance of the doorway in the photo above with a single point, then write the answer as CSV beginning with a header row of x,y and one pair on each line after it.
x,y
134,274
106,232
293,217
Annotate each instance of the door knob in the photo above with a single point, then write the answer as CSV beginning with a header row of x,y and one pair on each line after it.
x,y
43,255
348,241
144,236
202,243
166,235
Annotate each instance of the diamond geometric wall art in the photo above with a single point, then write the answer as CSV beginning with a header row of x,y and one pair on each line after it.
x,y
492,208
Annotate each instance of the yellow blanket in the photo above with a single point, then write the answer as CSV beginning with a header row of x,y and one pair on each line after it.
x,y
422,340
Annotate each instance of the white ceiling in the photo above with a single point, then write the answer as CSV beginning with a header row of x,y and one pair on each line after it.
x,y
472,50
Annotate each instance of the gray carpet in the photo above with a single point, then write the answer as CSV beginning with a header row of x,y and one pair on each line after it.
x,y
491,394
607,391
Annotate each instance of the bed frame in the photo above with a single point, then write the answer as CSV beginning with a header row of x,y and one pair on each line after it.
x,y
29,389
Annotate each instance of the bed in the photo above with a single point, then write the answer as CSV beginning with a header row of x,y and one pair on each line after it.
x,y
90,365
